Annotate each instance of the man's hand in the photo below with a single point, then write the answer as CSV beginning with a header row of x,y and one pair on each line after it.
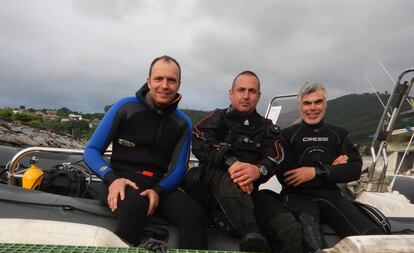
x,y
299,176
247,188
117,189
342,159
243,174
153,200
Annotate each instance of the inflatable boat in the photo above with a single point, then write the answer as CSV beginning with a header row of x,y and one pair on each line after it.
x,y
65,208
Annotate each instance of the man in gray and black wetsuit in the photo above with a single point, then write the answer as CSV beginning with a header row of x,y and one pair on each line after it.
x,y
319,155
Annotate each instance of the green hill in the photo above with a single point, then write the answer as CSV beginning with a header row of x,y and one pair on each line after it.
x,y
358,113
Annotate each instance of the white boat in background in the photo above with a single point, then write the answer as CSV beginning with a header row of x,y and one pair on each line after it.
x,y
389,181
388,185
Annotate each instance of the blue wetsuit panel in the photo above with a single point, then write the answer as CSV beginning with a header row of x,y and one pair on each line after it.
x,y
103,136
180,157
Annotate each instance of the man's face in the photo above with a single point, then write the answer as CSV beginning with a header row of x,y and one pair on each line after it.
x,y
245,94
164,82
312,107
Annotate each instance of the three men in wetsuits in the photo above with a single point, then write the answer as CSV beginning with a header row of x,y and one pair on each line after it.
x,y
238,150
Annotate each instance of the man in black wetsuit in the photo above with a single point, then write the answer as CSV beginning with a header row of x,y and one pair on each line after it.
x,y
319,155
238,150
151,142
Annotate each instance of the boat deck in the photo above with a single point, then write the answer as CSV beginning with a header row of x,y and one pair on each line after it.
x,y
41,248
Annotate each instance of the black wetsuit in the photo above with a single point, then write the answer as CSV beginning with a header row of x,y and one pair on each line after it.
x,y
318,146
226,136
150,147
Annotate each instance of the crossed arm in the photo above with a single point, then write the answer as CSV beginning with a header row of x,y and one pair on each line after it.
x,y
244,174
304,174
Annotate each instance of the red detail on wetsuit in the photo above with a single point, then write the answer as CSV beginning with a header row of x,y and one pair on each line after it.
x,y
147,173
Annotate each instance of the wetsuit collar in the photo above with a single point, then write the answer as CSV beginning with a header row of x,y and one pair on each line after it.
x,y
242,118
314,127
143,95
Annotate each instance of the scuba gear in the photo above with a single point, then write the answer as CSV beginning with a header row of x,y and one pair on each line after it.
x,y
66,179
221,139
32,178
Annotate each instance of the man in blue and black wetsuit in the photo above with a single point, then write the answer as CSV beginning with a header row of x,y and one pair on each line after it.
x,y
319,155
151,142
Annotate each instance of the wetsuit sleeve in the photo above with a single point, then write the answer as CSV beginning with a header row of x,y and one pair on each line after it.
x,y
100,140
272,153
286,163
207,146
349,171
179,160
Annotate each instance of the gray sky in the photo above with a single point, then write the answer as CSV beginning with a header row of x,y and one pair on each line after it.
x,y
84,54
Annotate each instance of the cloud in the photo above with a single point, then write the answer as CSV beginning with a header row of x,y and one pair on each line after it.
x,y
87,54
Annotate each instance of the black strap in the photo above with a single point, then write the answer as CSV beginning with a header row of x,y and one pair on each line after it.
x,y
376,215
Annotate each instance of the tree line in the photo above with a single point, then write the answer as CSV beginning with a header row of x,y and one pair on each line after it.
x,y
358,113
78,128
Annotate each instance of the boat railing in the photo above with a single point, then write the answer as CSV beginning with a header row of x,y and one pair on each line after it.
x,y
13,165
15,161
385,128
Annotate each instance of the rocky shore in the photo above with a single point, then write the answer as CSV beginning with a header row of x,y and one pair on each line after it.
x,y
16,134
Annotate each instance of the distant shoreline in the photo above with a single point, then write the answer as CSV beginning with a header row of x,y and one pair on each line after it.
x,y
17,134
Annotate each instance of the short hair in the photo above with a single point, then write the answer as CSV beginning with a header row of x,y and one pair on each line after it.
x,y
309,87
167,59
246,72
